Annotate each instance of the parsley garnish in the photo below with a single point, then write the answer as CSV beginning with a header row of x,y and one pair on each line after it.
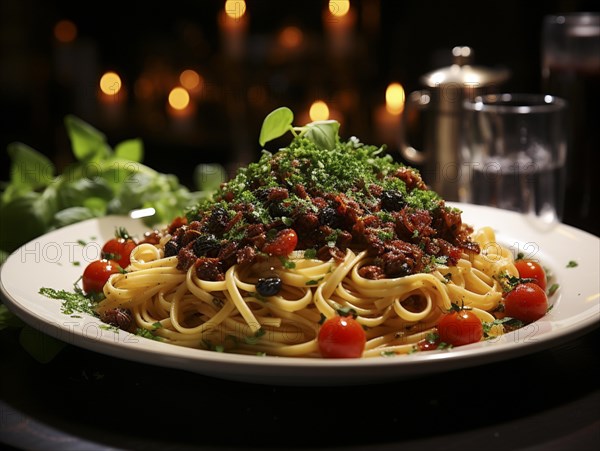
x,y
252,340
572,264
287,264
310,253
140,332
72,301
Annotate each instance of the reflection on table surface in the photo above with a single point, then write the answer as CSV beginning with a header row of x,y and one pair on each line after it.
x,y
83,400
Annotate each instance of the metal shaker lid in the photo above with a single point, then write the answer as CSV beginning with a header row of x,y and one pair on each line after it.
x,y
461,72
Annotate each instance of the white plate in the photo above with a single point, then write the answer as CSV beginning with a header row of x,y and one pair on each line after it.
x,y
49,262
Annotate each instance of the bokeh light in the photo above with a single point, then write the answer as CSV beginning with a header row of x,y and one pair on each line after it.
x,y
319,111
394,98
235,8
110,83
291,37
65,31
179,98
190,80
339,8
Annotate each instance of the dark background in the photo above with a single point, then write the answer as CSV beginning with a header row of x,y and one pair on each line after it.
x,y
42,80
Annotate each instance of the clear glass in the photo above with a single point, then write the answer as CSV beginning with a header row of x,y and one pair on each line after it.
x,y
570,60
514,152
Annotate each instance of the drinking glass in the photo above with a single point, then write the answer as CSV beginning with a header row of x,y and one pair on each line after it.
x,y
570,53
513,154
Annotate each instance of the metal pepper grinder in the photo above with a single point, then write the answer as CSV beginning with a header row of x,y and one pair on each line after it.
x,y
440,110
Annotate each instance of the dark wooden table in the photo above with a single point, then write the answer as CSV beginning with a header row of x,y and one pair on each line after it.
x,y
547,400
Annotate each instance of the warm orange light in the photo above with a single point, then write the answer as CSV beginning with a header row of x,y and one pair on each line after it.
x,y
110,83
319,111
179,98
190,79
291,37
235,8
65,31
339,8
394,98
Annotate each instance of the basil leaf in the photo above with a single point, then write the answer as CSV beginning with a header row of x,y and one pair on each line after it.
x,y
96,205
87,143
131,149
29,169
75,193
72,215
23,219
276,124
323,133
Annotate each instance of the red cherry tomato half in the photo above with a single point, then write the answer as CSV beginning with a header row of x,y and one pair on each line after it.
x,y
459,328
282,244
341,337
97,273
530,269
119,250
526,302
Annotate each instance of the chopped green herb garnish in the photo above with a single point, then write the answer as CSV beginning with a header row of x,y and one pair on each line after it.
x,y
507,323
553,289
109,327
346,311
73,302
572,264
287,264
310,253
252,340
145,333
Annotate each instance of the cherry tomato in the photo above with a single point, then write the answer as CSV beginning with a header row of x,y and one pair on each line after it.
x,y
119,250
282,244
341,337
97,273
526,302
530,269
459,328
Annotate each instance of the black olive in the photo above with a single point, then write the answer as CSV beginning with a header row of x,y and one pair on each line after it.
x,y
277,209
218,220
171,248
392,200
118,317
329,217
268,286
206,245
261,193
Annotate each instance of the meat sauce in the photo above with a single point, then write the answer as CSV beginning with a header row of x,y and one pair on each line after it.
x,y
382,207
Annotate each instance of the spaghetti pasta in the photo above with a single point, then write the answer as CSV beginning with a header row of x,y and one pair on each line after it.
x,y
321,228
230,315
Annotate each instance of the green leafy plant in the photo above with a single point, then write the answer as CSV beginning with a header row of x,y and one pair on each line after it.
x,y
277,123
103,180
